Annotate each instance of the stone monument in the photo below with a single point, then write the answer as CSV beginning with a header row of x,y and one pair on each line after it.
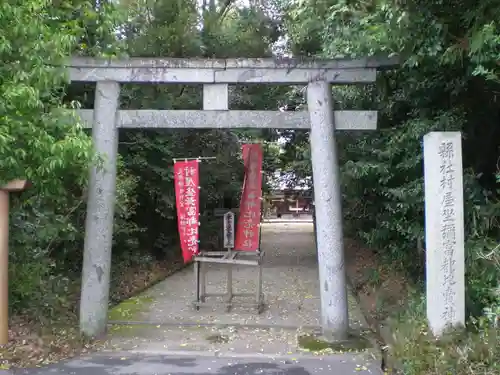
x,y
444,230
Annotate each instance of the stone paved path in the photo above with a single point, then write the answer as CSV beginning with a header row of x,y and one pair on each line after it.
x,y
178,340
291,288
290,284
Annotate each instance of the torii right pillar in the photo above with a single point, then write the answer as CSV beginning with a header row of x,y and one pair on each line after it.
x,y
328,209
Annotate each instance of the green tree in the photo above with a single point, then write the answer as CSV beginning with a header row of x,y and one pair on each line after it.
x,y
447,81
39,140
172,29
42,141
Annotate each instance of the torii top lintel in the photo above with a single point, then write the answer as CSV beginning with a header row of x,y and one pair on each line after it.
x,y
227,71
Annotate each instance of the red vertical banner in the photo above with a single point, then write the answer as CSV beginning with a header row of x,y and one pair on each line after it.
x,y
187,198
245,149
248,225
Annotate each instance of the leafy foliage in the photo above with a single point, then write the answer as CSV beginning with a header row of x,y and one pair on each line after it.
x,y
474,352
38,139
227,31
41,140
447,80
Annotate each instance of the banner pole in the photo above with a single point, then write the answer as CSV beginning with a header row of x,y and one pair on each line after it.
x,y
200,158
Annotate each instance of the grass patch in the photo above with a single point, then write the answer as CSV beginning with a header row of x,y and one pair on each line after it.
x,y
130,308
458,352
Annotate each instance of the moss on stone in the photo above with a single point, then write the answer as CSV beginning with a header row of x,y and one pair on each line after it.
x,y
315,344
130,308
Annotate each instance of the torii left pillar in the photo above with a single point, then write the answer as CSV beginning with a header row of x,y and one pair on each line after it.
x,y
100,212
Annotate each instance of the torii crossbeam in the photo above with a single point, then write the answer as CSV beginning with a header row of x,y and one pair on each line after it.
x,y
215,76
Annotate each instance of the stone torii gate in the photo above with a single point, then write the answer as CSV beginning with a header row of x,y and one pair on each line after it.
x,y
215,76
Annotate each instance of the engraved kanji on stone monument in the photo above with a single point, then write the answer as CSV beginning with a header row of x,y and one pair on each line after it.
x,y
444,230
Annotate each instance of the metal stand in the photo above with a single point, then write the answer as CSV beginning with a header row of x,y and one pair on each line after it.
x,y
230,258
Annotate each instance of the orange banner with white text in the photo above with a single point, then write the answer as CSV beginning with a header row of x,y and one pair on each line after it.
x,y
248,225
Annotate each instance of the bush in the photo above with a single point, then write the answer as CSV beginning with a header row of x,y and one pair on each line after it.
x,y
471,352
46,244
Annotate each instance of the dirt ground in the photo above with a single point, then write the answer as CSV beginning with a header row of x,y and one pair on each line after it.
x,y
379,289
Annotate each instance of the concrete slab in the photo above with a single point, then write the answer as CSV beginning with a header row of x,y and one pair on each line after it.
x,y
135,363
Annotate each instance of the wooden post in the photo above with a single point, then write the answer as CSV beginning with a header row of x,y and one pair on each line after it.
x,y
228,225
4,267
13,186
